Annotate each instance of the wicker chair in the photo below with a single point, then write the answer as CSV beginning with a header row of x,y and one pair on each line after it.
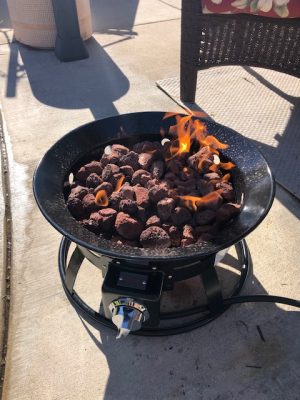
x,y
209,40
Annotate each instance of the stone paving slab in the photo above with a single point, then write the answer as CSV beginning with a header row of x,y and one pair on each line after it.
x,y
52,354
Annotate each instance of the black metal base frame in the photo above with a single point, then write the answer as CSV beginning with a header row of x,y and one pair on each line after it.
x,y
189,319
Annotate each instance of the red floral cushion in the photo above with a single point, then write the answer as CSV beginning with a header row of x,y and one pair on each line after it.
x,y
267,8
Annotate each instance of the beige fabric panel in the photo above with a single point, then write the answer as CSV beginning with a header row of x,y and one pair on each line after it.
x,y
34,25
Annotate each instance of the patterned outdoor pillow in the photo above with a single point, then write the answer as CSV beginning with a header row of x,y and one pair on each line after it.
x,y
267,8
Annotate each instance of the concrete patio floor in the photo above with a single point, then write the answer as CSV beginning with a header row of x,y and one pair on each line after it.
x,y
52,354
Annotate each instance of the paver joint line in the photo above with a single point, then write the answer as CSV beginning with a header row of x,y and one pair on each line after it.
x,y
7,251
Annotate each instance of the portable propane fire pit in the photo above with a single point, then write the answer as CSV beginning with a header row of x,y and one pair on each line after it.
x,y
93,192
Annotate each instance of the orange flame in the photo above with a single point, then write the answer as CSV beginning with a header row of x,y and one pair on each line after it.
x,y
119,183
183,131
225,178
227,166
194,202
101,198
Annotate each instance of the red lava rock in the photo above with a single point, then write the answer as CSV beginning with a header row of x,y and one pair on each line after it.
x,y
131,159
157,169
75,207
174,166
93,180
153,221
151,183
142,214
145,147
89,203
203,158
188,233
175,236
115,179
166,226
204,187
127,170
108,171
227,211
165,208
108,218
128,227
203,228
119,149
142,196
157,193
91,225
128,206
212,175
170,176
104,186
187,242
137,176
226,190
127,192
145,178
79,192
86,170
112,158
204,217
145,160
115,199
155,237
181,216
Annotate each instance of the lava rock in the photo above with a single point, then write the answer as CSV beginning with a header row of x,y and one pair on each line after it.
x,y
91,225
104,186
108,218
188,234
181,216
127,170
157,169
87,169
112,158
157,193
89,203
127,192
142,214
119,149
78,192
226,190
204,217
131,159
151,183
142,196
165,208
137,176
212,176
145,160
93,180
75,207
108,171
128,206
128,227
175,236
155,237
201,160
174,166
153,221
204,187
227,211
145,147
114,200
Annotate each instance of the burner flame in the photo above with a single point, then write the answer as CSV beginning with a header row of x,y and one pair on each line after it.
x,y
101,198
194,202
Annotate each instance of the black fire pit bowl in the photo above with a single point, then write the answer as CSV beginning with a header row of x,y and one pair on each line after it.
x,y
252,179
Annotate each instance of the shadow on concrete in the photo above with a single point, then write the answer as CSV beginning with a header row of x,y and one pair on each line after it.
x,y
4,15
94,83
247,337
